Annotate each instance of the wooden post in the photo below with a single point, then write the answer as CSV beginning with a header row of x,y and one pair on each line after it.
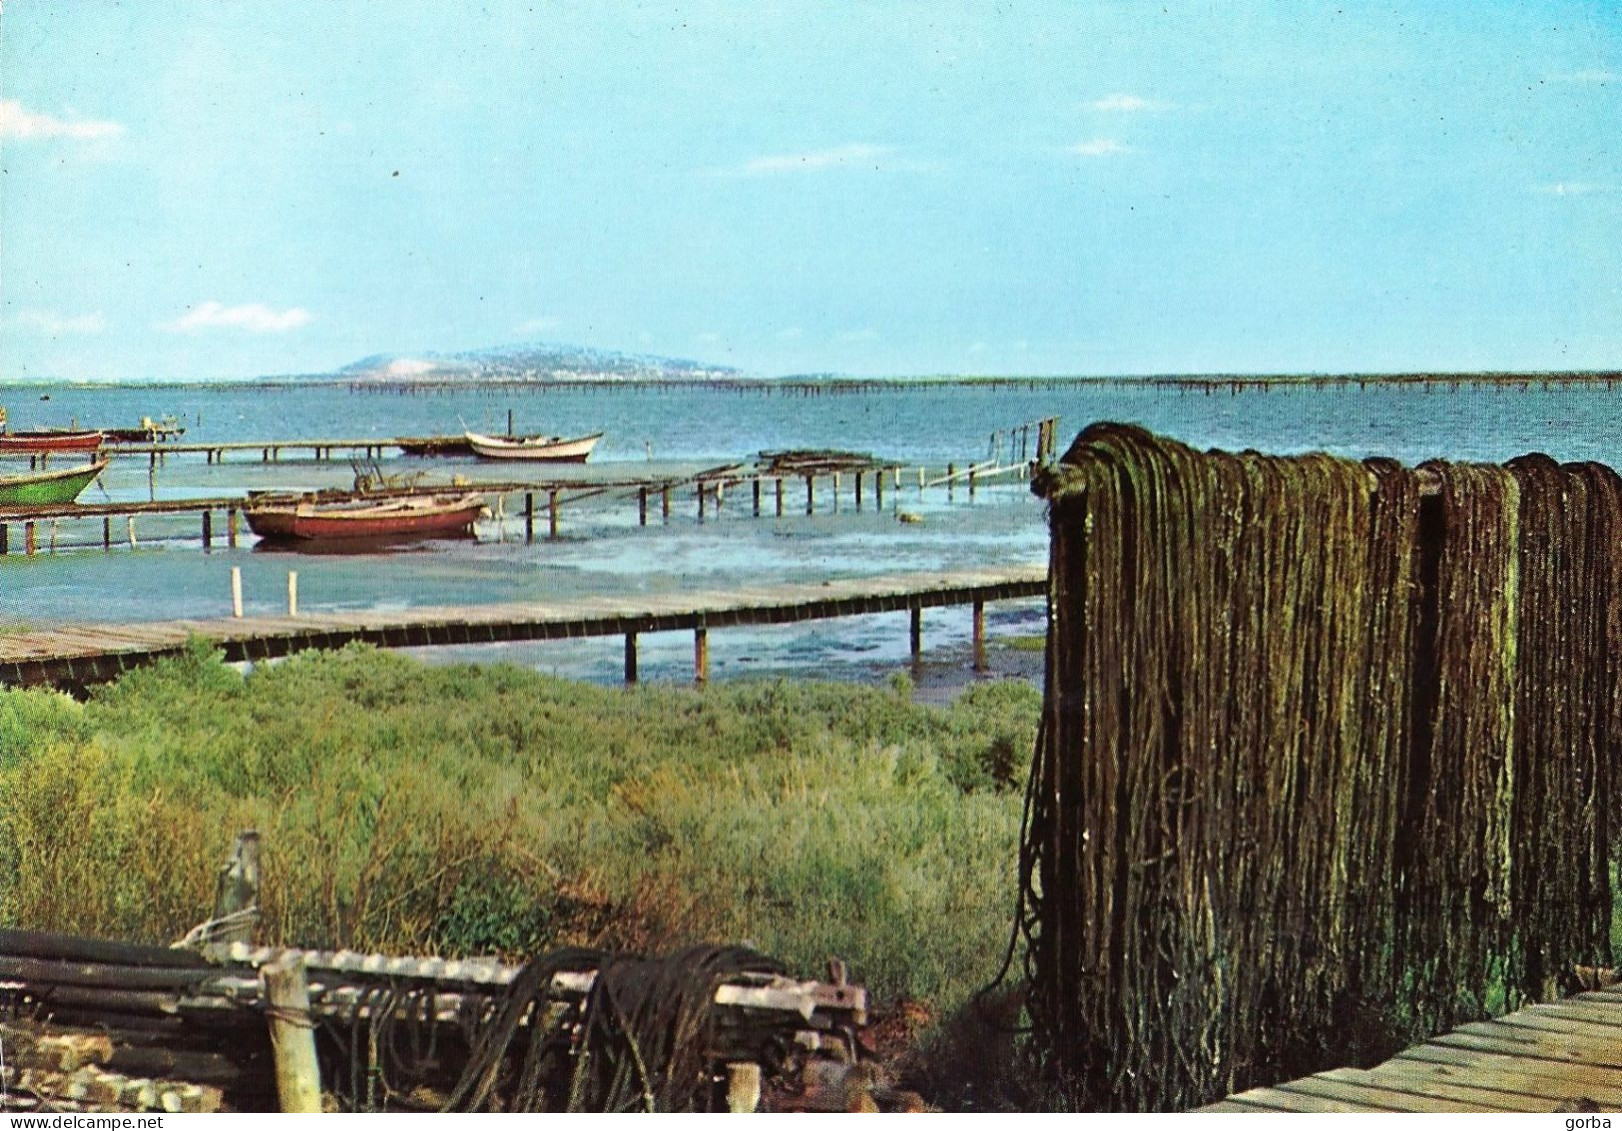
x,y
236,591
859,490
756,491
641,506
292,592
552,514
779,496
979,636
529,516
917,634
743,1087
878,490
107,533
810,495
971,484
129,524
701,500
29,538
208,531
951,484
920,481
53,535
231,528
836,490
630,657
236,890
292,1037
5,538
664,502
701,655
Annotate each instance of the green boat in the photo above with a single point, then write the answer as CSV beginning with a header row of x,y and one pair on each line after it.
x,y
47,488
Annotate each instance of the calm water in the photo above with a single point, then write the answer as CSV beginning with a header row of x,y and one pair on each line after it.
x,y
602,549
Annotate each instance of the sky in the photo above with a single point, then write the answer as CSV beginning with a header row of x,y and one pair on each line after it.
x,y
231,189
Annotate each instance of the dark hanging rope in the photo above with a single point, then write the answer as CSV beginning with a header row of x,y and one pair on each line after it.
x,y
1326,758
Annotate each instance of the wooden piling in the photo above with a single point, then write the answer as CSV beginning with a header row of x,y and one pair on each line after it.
x,y
664,502
107,533
237,890
292,1037
208,531
756,492
28,538
979,636
236,591
972,474
858,490
292,592
743,1087
701,500
5,538
529,516
917,633
836,491
810,495
53,536
552,513
231,528
129,525
779,496
878,490
701,656
630,657
641,506
951,485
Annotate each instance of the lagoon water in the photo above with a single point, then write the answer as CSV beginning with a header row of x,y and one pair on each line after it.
x,y
601,549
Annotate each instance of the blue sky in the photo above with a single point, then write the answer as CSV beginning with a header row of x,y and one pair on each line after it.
x,y
229,189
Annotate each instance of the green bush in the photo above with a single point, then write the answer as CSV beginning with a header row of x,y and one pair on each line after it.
x,y
462,809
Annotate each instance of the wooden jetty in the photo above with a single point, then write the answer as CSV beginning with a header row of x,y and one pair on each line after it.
x,y
1563,1056
89,653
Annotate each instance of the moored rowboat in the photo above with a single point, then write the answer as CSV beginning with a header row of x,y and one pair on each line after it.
x,y
297,518
47,488
50,440
552,449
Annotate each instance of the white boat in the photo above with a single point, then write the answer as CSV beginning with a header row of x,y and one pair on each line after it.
x,y
554,449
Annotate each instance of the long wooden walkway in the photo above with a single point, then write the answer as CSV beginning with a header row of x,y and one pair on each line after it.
x,y
91,653
1540,1059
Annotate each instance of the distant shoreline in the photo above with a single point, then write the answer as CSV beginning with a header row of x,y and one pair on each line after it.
x,y
834,383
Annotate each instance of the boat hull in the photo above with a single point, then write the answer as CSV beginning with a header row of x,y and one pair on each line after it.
x,y
548,449
49,441
48,488
365,521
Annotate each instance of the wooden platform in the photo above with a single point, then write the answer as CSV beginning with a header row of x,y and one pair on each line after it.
x,y
1533,1060
91,653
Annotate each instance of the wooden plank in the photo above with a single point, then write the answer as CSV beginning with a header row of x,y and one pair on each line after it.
x,y
1238,1107
1522,1074
1372,1096
1300,1101
1397,1077
1577,1010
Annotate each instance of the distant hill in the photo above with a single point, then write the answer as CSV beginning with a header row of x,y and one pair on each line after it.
x,y
539,362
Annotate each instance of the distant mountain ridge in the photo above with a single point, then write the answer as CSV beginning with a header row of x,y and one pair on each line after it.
x,y
536,361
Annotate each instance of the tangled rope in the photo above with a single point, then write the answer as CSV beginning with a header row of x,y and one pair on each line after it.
x,y
640,1040
1326,758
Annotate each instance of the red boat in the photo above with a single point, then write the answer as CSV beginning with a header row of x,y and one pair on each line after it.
x,y
50,440
360,517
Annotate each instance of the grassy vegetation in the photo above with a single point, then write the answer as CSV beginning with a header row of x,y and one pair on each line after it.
x,y
464,809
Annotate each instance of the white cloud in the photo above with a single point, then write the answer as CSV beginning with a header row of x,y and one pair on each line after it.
x,y
1571,188
1097,147
17,122
855,155
1125,104
254,317
50,322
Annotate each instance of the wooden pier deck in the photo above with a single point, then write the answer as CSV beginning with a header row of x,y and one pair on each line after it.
x,y
1543,1058
84,654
